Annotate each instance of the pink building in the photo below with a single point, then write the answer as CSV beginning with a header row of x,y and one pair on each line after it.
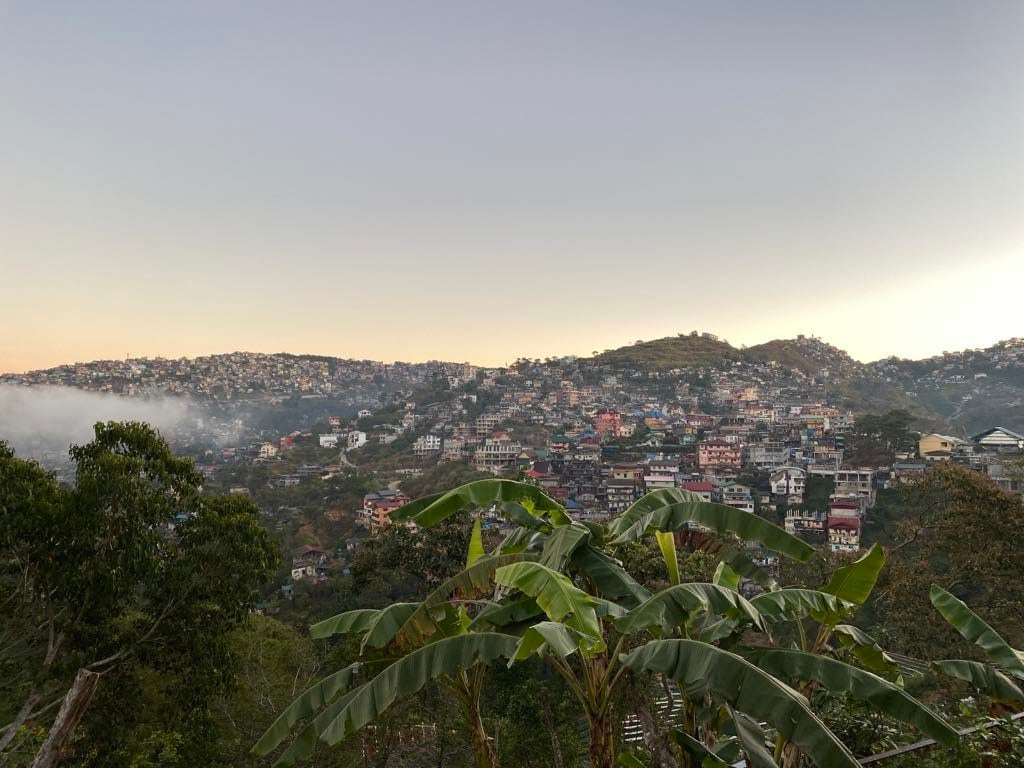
x,y
716,454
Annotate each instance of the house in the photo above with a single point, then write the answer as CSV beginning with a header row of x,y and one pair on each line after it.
x,y
267,451
632,472
654,481
844,534
939,444
329,441
453,448
309,563
426,445
608,423
497,454
378,506
856,481
704,490
621,493
716,454
356,439
999,439
766,455
558,444
788,481
905,471
738,496
809,526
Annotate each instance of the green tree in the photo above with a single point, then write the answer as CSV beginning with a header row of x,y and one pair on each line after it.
x,y
132,573
964,533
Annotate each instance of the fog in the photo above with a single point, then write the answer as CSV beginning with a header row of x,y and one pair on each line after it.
x,y
37,420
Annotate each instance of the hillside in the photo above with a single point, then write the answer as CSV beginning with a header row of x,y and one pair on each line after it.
x,y
961,392
682,351
809,355
806,354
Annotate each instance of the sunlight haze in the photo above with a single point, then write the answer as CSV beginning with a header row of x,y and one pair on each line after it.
x,y
474,181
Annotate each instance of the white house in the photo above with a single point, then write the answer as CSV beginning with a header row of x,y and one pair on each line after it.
x,y
356,439
329,441
426,444
788,481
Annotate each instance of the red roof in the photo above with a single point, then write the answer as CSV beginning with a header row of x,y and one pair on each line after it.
x,y
698,487
852,523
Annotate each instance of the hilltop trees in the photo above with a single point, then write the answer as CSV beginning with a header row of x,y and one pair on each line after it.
x,y
130,575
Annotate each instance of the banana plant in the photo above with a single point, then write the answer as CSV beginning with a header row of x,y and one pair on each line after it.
x,y
574,604
434,640
553,588
1002,680
827,654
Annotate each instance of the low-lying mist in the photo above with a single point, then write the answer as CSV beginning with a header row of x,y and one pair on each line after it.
x,y
45,419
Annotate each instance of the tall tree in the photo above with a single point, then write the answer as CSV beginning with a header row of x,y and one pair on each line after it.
x,y
964,533
132,569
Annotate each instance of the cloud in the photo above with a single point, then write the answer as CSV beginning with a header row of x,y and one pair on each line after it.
x,y
34,420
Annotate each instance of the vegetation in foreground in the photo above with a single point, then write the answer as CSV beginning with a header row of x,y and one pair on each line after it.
x,y
560,643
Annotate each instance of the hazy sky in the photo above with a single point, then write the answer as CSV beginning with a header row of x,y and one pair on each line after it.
x,y
486,180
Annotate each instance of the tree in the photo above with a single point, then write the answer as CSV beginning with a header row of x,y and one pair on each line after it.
x,y
964,533
876,439
131,570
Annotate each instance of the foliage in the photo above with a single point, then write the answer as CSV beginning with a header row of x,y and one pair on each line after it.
x,y
562,602
133,574
964,533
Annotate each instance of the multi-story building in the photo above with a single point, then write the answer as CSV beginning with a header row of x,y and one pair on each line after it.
x,y
856,481
766,455
739,496
843,533
621,494
378,506
809,526
453,449
608,423
498,453
787,482
935,446
717,454
425,445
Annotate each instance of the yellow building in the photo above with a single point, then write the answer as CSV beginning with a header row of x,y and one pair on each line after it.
x,y
935,443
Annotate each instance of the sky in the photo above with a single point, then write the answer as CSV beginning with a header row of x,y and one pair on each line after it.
x,y
483,181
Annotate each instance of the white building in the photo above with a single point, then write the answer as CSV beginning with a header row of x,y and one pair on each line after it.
x,y
329,441
426,444
788,481
497,453
356,439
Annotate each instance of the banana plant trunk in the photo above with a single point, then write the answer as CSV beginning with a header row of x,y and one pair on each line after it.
x,y
484,755
602,740
467,688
